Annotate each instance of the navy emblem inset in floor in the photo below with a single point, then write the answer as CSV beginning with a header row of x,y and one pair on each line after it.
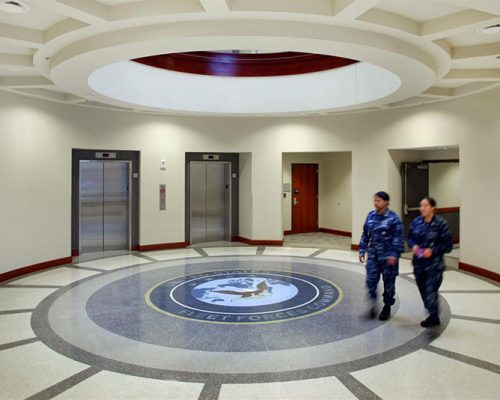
x,y
244,296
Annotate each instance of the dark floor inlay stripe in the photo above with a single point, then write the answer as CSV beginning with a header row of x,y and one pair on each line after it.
x,y
20,285
317,252
18,343
88,268
19,311
471,291
466,359
476,319
64,385
145,257
200,251
210,391
356,387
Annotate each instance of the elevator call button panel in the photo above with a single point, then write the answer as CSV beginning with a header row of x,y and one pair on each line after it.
x,y
163,192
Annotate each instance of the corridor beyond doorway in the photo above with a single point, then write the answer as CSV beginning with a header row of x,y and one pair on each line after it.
x,y
318,240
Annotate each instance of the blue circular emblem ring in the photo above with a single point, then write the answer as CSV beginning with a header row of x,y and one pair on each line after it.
x,y
244,297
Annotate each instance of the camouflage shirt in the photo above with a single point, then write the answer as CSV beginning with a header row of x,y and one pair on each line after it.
x,y
434,235
382,235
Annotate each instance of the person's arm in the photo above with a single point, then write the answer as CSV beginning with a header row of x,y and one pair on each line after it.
x,y
397,245
365,240
444,241
411,235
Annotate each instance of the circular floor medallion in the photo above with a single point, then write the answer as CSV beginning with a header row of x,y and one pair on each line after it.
x,y
243,296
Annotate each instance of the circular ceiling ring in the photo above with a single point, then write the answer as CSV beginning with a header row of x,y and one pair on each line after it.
x,y
73,66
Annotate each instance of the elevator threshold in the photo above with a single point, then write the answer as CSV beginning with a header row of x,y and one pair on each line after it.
x,y
220,243
100,254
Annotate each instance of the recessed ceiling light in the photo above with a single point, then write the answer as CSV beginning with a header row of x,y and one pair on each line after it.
x,y
490,29
14,7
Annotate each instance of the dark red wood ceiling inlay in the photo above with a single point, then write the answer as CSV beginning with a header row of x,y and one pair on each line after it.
x,y
245,65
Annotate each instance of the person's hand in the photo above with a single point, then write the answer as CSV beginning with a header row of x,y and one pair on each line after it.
x,y
427,253
392,260
362,258
415,249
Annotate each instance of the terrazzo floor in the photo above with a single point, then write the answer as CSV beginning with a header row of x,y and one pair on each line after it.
x,y
56,340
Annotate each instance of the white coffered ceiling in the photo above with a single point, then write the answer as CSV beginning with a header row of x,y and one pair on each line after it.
x,y
50,51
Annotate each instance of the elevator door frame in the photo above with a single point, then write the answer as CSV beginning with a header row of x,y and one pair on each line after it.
x,y
129,204
234,159
120,155
227,212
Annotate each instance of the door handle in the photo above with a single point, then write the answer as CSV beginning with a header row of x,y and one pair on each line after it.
x,y
295,202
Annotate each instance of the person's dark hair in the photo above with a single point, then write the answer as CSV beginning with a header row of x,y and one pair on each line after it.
x,y
383,195
431,200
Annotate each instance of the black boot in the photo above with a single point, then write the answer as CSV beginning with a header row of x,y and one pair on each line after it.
x,y
385,314
430,321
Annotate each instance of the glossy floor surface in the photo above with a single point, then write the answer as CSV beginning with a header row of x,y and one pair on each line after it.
x,y
241,322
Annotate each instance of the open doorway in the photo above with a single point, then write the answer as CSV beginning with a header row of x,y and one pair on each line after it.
x,y
416,173
316,199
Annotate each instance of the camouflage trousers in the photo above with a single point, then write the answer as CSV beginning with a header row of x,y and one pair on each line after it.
x,y
376,267
429,279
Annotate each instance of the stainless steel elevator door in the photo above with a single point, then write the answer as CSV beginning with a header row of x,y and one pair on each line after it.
x,y
198,201
116,205
210,201
91,206
104,205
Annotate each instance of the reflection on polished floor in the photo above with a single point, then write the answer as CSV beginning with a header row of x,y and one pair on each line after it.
x,y
242,322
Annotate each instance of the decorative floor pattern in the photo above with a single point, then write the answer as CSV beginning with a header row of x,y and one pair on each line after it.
x,y
86,331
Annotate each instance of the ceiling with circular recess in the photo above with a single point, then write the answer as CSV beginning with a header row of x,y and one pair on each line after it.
x,y
249,57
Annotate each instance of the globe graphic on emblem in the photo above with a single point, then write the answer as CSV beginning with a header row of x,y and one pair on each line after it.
x,y
244,291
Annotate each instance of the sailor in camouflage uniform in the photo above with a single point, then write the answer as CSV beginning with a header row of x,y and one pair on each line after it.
x,y
383,239
429,238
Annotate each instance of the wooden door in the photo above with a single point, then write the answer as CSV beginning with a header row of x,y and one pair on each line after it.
x,y
304,198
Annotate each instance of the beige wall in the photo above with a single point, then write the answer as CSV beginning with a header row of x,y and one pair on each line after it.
x,y
245,195
335,211
36,139
444,183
